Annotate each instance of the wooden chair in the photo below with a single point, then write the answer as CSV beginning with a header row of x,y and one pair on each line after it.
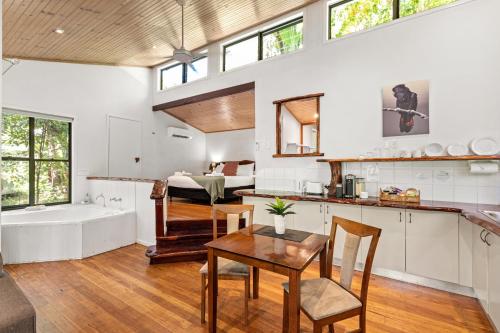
x,y
228,269
326,301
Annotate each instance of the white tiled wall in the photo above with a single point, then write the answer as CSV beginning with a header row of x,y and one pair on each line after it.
x,y
439,180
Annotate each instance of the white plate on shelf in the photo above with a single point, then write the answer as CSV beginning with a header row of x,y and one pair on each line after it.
x,y
484,146
457,149
433,149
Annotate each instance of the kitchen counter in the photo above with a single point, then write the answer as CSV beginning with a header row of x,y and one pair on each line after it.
x,y
468,210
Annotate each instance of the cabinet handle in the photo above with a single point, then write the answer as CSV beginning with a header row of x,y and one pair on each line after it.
x,y
321,208
410,218
400,217
486,239
481,235
327,209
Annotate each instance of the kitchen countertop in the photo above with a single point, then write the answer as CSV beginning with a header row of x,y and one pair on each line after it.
x,y
468,210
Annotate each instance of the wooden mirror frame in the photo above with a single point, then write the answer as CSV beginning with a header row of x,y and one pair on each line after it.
x,y
278,104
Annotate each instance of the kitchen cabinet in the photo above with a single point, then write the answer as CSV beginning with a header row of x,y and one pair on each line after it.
x,y
309,216
480,266
432,245
350,212
465,244
390,252
493,246
260,214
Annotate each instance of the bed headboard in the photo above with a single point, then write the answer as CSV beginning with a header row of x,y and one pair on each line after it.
x,y
242,162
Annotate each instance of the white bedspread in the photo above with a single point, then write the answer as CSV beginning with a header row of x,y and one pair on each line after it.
x,y
231,181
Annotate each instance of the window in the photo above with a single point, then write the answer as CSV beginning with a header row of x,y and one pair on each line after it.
x,y
181,73
281,39
36,161
348,16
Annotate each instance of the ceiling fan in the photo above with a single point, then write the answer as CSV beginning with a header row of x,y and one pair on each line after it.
x,y
181,54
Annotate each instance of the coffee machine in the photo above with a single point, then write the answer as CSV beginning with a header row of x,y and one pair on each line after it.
x,y
350,186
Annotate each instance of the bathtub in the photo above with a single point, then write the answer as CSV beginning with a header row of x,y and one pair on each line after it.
x,y
65,232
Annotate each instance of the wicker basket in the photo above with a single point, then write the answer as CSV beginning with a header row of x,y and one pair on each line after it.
x,y
399,197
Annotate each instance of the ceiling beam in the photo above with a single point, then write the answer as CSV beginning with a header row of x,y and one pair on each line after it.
x,y
206,96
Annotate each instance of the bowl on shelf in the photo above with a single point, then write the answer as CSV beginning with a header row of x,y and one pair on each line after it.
x,y
434,149
457,149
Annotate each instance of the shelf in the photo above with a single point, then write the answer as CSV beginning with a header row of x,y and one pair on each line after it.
x,y
410,159
299,155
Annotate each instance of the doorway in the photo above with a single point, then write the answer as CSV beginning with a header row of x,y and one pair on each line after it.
x,y
124,147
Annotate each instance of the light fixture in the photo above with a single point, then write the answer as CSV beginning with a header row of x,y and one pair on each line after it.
x,y
316,115
59,31
154,46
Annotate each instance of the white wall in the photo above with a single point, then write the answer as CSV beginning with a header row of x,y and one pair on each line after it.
x,y
230,146
454,47
89,94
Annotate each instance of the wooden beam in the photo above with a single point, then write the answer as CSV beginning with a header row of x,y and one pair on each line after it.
x,y
206,96
279,101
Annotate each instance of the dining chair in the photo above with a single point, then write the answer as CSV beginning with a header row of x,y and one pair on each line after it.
x,y
228,269
325,301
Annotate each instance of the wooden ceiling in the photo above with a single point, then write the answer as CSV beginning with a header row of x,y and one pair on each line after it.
x,y
126,32
304,110
223,113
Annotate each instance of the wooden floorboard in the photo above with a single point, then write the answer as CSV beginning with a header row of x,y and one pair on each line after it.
x,y
186,210
119,291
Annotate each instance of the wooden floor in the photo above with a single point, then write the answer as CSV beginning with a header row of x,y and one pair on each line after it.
x,y
119,292
185,210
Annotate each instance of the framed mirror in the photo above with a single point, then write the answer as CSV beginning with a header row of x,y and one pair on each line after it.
x,y
298,126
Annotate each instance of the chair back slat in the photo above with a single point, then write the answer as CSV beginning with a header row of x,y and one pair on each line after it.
x,y
349,255
355,232
233,214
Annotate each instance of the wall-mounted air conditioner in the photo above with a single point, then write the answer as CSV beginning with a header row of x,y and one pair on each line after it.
x,y
180,133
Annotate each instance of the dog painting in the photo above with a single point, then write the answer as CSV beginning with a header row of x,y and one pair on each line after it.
x,y
405,109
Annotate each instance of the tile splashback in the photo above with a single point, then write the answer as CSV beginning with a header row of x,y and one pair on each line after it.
x,y
437,180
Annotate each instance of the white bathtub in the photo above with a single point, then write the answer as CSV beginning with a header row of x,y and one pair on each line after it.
x,y
65,232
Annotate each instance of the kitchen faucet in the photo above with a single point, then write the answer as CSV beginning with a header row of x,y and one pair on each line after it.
x,y
103,199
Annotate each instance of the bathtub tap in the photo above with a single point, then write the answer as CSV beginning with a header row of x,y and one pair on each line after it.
x,y
103,199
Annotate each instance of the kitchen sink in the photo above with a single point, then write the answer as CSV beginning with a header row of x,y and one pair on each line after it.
x,y
492,214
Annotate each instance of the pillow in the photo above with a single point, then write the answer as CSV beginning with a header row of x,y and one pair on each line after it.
x,y
218,168
245,170
230,168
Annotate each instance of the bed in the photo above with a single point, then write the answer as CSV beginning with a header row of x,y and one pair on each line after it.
x,y
186,188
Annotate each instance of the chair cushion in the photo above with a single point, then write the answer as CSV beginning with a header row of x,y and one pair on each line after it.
x,y
321,298
228,267
16,312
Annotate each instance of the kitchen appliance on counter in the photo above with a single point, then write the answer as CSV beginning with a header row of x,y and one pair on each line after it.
x,y
314,187
350,186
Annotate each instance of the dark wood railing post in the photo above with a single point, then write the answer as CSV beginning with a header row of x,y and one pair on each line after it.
x,y
158,195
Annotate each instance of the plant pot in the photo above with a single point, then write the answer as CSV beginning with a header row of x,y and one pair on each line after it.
x,y
279,224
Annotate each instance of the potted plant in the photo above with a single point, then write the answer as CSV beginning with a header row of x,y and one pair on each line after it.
x,y
279,209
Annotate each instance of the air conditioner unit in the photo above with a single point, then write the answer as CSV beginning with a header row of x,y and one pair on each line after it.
x,y
180,133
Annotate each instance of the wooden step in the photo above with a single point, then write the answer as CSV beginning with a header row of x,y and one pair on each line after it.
x,y
176,255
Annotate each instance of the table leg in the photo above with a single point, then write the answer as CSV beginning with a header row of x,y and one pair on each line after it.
x,y
323,270
294,301
212,291
255,274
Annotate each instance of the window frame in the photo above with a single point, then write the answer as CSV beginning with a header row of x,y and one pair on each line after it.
x,y
32,162
260,35
184,73
396,15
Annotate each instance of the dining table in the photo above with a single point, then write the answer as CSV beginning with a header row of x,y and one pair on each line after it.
x,y
273,253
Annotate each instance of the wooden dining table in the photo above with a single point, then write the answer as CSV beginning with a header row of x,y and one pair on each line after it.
x,y
274,254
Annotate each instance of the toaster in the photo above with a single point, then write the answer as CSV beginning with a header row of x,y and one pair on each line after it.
x,y
314,188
